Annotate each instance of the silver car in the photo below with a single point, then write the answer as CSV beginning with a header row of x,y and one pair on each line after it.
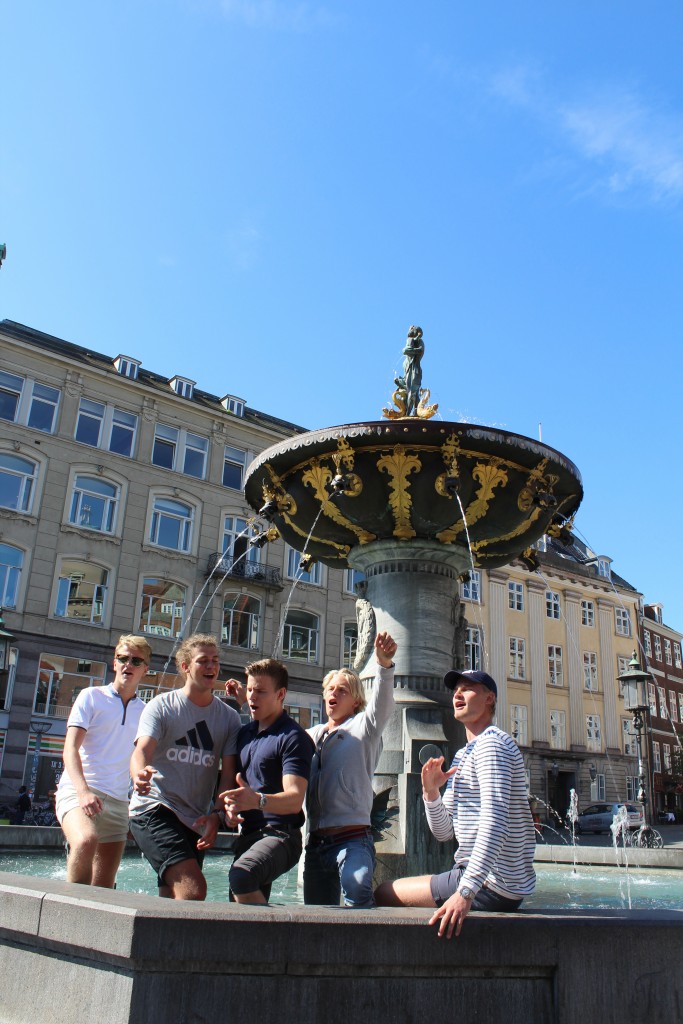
x,y
599,817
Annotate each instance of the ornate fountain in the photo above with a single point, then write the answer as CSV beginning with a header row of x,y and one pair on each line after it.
x,y
414,503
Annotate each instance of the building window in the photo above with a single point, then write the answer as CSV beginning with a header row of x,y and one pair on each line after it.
x,y
241,621
663,710
605,568
666,756
652,698
93,505
632,783
658,647
471,589
587,613
600,786
28,402
656,757
351,578
677,654
590,671
180,450
350,644
555,665
673,706
233,405
473,648
622,665
103,426
552,604
622,622
648,643
516,596
517,658
300,636
171,524
162,608
518,724
558,730
11,564
593,732
315,575
667,651
182,386
236,550
680,706
127,367
234,463
60,680
82,592
17,480
628,735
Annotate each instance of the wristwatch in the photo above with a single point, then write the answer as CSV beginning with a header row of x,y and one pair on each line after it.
x,y
466,893
262,800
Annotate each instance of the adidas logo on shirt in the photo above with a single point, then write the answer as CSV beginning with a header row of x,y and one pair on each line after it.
x,y
194,748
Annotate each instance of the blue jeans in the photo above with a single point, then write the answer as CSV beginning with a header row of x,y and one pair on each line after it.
x,y
340,868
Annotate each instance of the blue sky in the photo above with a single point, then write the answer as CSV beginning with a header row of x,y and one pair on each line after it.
x,y
264,195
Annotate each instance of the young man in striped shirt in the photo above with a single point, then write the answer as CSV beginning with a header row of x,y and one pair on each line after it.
x,y
485,806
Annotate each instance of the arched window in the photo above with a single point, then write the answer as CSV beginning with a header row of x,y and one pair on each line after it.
x,y
241,621
300,636
11,564
171,524
17,481
94,503
82,591
163,607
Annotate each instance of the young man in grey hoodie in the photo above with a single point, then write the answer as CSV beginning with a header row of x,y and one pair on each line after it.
x,y
340,853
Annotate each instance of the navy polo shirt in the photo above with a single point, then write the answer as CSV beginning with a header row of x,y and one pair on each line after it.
x,y
284,748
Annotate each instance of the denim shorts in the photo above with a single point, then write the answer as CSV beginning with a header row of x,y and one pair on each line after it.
x,y
445,884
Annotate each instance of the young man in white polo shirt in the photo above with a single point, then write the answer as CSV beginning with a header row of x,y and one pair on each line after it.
x,y
92,796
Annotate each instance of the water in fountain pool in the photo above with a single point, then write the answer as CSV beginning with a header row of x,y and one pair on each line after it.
x,y
559,887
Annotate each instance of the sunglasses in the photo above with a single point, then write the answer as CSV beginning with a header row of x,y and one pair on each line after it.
x,y
125,658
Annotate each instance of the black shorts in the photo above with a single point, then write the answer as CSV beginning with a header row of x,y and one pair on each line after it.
x,y
444,885
262,856
164,839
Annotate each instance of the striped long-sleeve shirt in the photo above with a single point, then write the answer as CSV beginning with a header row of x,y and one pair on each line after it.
x,y
486,807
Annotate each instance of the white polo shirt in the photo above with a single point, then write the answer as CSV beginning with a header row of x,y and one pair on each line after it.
x,y
110,727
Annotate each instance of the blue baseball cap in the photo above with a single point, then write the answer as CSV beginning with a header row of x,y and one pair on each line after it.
x,y
452,678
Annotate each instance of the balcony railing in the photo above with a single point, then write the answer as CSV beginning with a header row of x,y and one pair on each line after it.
x,y
52,710
232,568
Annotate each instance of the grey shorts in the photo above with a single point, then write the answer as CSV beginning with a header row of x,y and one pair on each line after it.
x,y
262,856
111,823
445,884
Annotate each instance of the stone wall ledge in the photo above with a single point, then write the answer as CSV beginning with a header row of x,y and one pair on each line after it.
x,y
71,953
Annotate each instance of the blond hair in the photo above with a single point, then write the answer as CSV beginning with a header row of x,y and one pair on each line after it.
x,y
190,644
138,643
355,685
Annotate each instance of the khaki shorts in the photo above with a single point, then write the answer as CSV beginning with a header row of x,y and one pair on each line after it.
x,y
112,821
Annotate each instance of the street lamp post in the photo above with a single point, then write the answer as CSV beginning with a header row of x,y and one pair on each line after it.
x,y
634,690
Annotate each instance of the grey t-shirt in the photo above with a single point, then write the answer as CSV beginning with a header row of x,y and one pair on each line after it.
x,y
191,741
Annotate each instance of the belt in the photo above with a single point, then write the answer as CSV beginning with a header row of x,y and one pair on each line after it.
x,y
322,838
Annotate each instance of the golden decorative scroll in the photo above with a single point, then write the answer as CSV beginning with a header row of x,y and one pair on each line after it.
x,y
424,411
317,477
288,510
399,466
490,475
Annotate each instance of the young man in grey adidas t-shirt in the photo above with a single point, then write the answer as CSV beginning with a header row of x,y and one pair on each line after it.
x,y
184,738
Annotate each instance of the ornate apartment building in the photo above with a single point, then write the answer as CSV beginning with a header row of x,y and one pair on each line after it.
x,y
662,647
122,510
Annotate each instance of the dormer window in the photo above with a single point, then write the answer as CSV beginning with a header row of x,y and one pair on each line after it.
x,y
657,610
127,367
234,405
605,568
182,386
542,543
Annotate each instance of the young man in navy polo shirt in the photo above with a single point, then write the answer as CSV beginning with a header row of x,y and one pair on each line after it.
x,y
274,763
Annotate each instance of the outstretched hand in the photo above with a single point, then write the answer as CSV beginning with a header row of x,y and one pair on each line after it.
x,y
244,798
236,691
385,649
434,777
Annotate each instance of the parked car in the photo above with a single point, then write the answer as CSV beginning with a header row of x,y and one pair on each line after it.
x,y
599,817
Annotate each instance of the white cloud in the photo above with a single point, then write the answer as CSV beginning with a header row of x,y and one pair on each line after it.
x,y
630,147
280,15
